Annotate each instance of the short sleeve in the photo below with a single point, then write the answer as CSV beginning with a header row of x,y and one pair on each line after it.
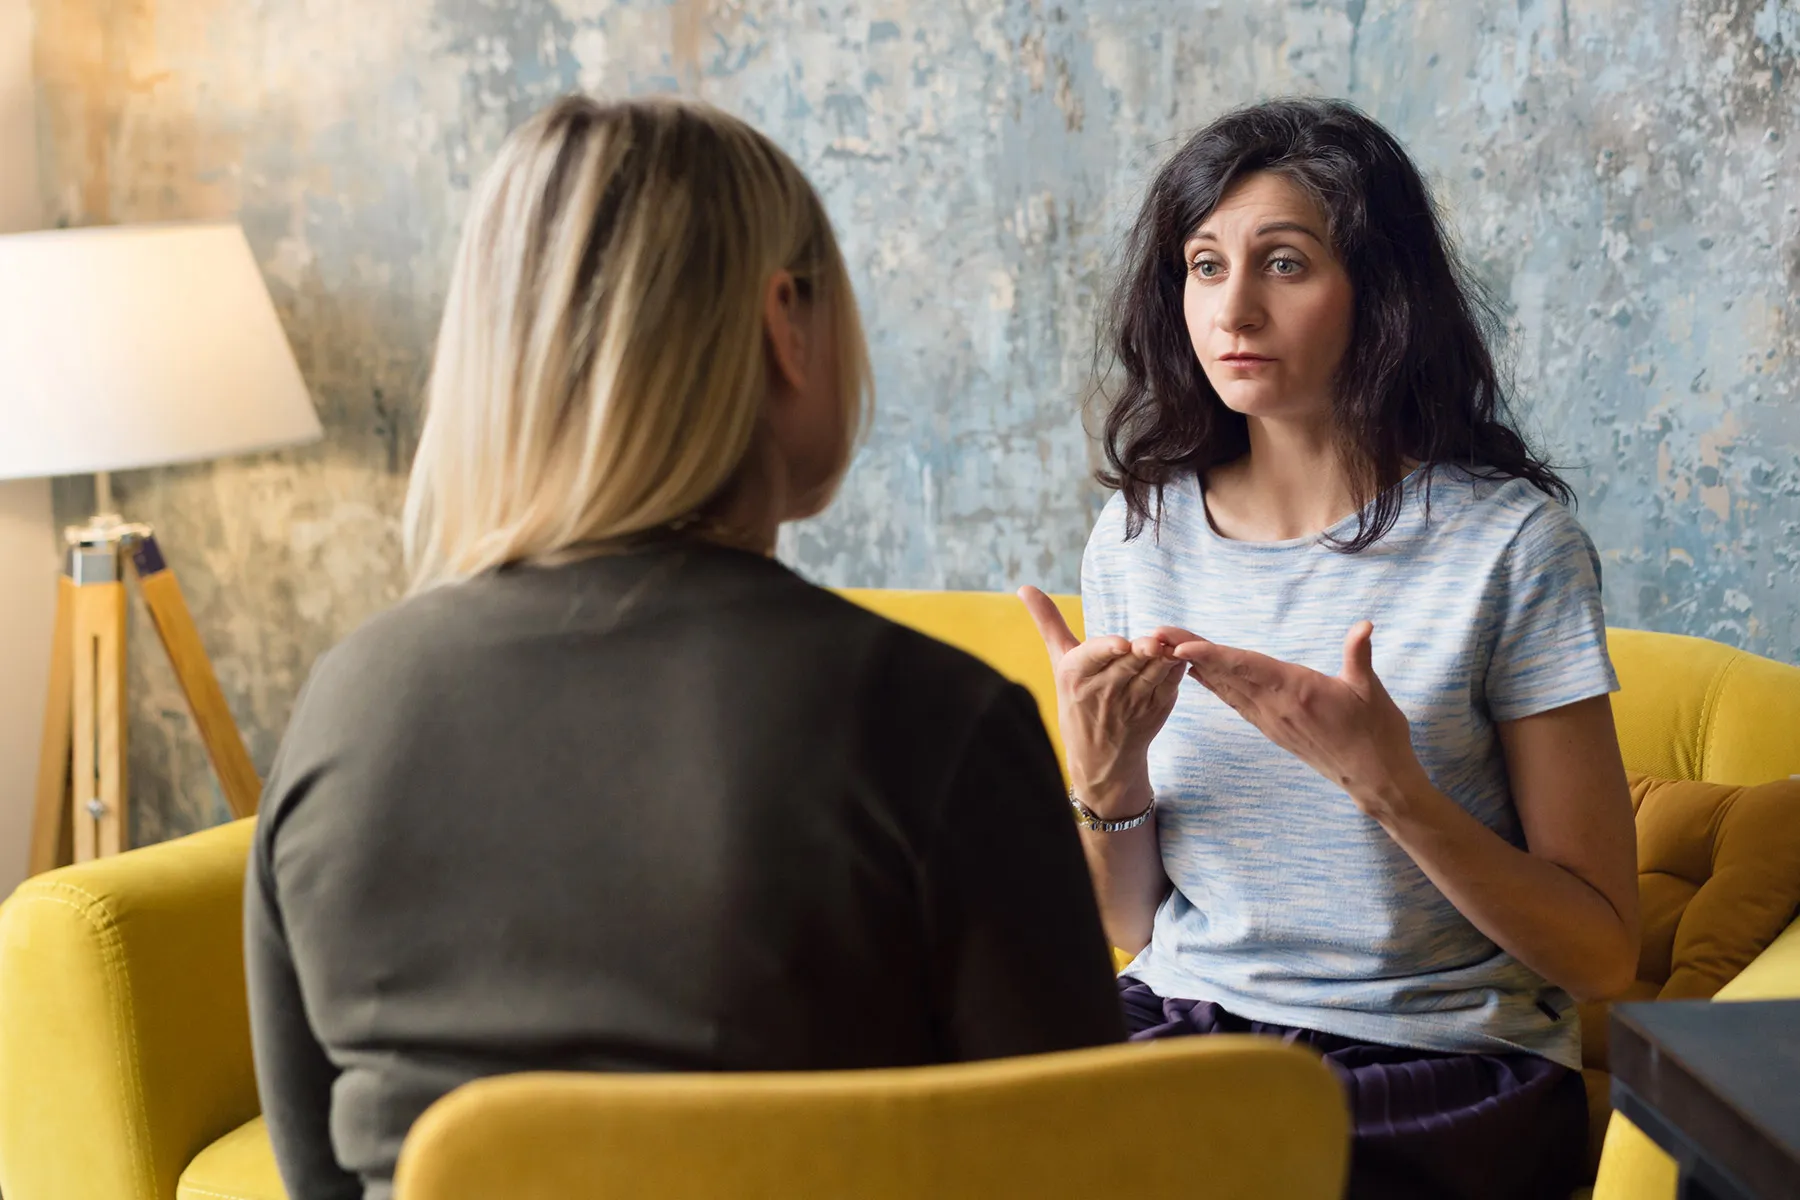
x,y
1549,645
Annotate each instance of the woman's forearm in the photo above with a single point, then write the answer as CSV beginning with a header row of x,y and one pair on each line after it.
x,y
1537,910
1126,868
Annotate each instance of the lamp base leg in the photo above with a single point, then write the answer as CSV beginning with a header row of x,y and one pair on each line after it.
x,y
187,654
52,835
99,809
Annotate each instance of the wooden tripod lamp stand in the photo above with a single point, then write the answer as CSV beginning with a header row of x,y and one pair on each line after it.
x,y
124,347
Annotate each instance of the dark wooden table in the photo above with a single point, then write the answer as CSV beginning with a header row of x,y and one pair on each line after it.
x,y
1717,1085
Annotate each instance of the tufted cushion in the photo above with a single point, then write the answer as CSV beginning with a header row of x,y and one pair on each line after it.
x,y
1718,876
1718,881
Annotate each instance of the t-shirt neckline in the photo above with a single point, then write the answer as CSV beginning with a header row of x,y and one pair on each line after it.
x,y
1336,530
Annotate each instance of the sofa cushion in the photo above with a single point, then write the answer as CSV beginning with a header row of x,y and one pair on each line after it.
x,y
1718,880
239,1166
1718,876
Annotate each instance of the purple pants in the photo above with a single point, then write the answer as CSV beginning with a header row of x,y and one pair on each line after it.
x,y
1423,1124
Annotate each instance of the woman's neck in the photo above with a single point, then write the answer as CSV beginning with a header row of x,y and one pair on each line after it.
x,y
748,514
1292,484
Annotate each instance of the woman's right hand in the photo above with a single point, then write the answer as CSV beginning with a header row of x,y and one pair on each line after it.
x,y
1112,697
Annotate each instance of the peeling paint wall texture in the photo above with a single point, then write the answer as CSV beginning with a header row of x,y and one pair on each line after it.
x,y
1623,174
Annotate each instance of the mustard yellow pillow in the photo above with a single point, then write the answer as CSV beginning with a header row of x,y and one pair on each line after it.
x,y
1718,880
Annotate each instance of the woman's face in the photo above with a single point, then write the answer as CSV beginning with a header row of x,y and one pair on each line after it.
x,y
1269,308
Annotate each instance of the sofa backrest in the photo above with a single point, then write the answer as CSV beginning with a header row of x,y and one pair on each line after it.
x,y
1690,708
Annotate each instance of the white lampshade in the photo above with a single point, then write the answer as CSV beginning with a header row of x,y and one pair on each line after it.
x,y
137,345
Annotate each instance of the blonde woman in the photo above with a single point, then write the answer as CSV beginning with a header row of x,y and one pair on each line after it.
x,y
614,790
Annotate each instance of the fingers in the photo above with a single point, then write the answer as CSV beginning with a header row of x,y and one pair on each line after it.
x,y
1142,668
1108,662
1243,679
1058,639
1147,647
1246,669
1165,680
1359,662
1153,666
1129,662
1169,685
1359,645
1240,701
1140,658
1172,636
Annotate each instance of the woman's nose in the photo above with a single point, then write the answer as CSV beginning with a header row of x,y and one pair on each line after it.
x,y
1240,307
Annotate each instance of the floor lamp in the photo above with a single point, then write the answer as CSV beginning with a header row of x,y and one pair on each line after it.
x,y
125,347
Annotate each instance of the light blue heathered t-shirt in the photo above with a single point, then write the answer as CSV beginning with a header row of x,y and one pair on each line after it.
x,y
1289,905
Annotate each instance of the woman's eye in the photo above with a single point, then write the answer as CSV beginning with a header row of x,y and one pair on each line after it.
x,y
1205,268
1285,266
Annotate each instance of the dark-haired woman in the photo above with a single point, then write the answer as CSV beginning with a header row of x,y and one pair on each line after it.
x,y
1389,820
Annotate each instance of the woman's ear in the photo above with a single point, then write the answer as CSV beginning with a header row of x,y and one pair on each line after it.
x,y
785,326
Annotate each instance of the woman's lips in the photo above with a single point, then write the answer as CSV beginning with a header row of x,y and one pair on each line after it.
x,y
1245,360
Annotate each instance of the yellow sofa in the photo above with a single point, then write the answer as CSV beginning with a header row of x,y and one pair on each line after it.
x,y
125,1069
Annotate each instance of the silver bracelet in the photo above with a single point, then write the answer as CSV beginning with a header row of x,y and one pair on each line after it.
x,y
1087,818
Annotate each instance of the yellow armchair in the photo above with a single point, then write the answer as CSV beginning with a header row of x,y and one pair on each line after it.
x,y
124,1030
1251,1117
125,1069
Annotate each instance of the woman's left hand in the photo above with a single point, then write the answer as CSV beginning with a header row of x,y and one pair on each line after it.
x,y
1347,727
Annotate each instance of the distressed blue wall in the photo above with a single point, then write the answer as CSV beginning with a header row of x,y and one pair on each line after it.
x,y
1624,174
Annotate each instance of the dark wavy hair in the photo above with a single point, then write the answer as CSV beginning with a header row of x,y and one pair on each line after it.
x,y
1418,381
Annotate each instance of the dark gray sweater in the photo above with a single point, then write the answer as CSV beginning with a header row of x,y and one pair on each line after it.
x,y
671,810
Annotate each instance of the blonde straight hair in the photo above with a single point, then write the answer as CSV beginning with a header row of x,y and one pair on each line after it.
x,y
602,362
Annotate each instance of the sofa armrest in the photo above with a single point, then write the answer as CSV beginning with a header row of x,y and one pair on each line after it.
x,y
1633,1167
1772,975
124,1030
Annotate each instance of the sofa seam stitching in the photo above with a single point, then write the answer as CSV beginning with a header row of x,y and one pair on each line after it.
x,y
112,953
1709,710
